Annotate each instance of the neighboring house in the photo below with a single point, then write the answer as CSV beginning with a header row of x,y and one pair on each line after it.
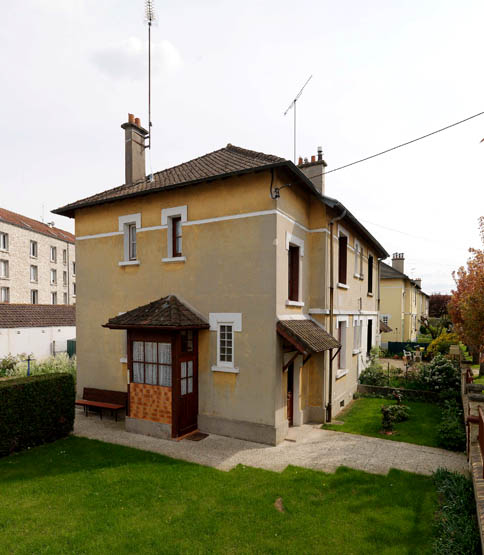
x,y
403,303
37,262
39,330
206,291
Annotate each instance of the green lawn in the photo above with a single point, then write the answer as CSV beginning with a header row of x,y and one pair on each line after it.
x,y
364,416
83,496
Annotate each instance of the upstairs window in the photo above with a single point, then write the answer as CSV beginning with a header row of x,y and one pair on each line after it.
x,y
53,297
357,259
73,268
53,254
34,249
342,340
293,273
64,256
370,273
65,298
74,289
64,278
3,241
4,294
53,278
342,258
34,296
176,232
34,274
131,241
3,268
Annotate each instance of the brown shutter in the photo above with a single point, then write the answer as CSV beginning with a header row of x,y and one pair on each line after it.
x,y
342,257
293,274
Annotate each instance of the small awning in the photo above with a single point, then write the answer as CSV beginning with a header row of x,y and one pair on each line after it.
x,y
384,328
306,336
167,313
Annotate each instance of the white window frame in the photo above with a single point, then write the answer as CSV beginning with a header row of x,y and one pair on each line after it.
x,y
74,268
64,256
53,254
74,289
357,334
34,273
296,241
4,294
217,320
167,215
53,276
53,297
124,223
34,249
5,273
3,241
34,293
385,317
343,366
65,298
64,278
342,232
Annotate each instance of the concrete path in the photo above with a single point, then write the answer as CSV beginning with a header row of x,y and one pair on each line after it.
x,y
307,446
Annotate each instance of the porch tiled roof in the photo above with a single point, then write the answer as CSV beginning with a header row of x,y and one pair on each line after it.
x,y
165,313
384,328
36,315
307,333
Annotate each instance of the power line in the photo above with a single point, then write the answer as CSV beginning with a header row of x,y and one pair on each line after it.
x,y
402,144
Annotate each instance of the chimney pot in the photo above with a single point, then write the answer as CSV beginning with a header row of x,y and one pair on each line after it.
x,y
137,122
313,158
305,160
300,161
320,153
130,118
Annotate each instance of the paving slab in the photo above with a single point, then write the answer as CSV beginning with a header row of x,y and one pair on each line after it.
x,y
311,447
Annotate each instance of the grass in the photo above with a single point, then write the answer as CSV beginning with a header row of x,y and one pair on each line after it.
x,y
364,417
84,496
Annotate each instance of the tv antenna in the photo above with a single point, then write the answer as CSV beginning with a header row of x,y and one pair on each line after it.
x,y
150,17
293,105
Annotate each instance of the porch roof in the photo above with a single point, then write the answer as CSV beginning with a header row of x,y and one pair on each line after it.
x,y
384,328
306,336
168,313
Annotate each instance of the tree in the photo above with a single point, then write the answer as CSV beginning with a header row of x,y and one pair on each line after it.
x,y
466,307
438,305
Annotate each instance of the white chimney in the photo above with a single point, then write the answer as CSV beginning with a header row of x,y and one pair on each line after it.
x,y
314,169
398,261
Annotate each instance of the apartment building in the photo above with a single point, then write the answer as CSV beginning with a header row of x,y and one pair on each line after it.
x,y
403,302
37,262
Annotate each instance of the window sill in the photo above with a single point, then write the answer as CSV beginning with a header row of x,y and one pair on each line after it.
x,y
356,351
124,360
129,263
357,276
342,286
5,278
341,374
33,257
34,282
225,369
174,259
294,303
369,294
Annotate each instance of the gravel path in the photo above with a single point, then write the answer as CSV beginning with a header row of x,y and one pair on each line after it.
x,y
307,446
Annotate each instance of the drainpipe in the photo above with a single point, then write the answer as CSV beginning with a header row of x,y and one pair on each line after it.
x,y
329,406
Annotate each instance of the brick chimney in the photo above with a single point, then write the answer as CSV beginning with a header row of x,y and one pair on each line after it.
x,y
314,169
134,136
398,261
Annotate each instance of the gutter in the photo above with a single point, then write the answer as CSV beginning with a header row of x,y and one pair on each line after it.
x,y
329,406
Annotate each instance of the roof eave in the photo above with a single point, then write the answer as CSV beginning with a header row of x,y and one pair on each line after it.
x,y
149,327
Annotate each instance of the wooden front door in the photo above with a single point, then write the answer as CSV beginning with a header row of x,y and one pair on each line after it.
x,y
290,392
185,392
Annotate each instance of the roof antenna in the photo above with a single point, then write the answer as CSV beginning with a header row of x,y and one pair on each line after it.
x,y
150,17
293,105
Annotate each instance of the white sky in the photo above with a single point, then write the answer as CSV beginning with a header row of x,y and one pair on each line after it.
x,y
384,72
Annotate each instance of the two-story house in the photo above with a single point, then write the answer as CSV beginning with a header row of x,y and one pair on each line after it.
x,y
37,262
403,302
227,294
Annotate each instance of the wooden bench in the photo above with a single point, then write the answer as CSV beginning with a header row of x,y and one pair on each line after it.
x,y
99,399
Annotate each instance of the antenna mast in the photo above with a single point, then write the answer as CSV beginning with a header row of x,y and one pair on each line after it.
x,y
293,105
150,17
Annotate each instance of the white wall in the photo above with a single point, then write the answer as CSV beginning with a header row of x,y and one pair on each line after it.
x,y
36,341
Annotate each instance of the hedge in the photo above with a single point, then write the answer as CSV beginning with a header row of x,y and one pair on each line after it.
x,y
35,410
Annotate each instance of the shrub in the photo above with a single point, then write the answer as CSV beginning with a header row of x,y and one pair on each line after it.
x,y
391,414
35,410
61,363
440,375
8,365
456,524
442,343
373,375
451,432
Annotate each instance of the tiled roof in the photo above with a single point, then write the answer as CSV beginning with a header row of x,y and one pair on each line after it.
x,y
311,336
225,161
388,272
384,328
33,225
36,315
165,313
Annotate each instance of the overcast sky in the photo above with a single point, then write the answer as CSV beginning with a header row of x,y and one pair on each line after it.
x,y
384,72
